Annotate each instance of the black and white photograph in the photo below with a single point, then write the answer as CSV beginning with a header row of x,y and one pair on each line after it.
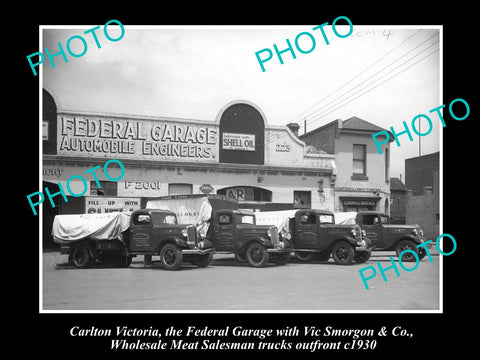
x,y
236,168
249,186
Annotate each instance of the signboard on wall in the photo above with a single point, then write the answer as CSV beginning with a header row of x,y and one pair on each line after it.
x,y
137,139
245,142
240,193
101,205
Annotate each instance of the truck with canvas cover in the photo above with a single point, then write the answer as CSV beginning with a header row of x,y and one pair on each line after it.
x,y
228,229
117,237
315,235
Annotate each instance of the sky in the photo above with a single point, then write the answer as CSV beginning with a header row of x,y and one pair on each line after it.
x,y
382,74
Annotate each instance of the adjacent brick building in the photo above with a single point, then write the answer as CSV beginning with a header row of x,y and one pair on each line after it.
x,y
423,183
362,181
419,172
398,196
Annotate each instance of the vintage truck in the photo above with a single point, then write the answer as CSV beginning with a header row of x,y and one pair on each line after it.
x,y
315,235
390,237
115,238
227,229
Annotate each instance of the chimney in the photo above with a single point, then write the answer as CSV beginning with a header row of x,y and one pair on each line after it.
x,y
294,127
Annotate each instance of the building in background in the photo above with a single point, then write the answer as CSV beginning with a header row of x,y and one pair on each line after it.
x,y
422,181
362,181
398,200
237,154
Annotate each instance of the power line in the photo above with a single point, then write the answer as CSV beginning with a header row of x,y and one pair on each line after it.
x,y
381,83
403,63
356,76
378,72
276,137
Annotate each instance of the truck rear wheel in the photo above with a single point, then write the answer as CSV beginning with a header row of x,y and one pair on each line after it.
x,y
81,258
303,255
257,255
241,257
171,257
343,253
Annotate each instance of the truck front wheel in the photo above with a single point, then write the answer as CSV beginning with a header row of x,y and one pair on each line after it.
x,y
343,253
406,245
81,258
362,256
171,257
257,255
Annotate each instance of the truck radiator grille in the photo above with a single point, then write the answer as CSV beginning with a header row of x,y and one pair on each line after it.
x,y
358,233
192,235
274,236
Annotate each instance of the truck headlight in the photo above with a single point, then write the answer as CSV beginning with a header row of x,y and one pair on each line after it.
x,y
362,243
184,233
354,233
364,233
269,233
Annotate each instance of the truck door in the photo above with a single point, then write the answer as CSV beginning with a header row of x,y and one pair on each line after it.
x,y
373,229
224,232
306,231
140,232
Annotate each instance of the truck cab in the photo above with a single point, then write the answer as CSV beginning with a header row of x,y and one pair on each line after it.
x,y
387,237
315,235
236,231
157,232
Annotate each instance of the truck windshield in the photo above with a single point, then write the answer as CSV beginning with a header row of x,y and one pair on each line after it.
x,y
159,218
326,219
246,219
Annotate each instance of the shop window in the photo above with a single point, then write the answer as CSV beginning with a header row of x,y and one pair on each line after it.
x,y
359,162
302,199
106,188
180,189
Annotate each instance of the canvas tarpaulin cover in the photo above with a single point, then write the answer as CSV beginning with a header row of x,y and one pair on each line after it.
x,y
70,228
281,219
196,211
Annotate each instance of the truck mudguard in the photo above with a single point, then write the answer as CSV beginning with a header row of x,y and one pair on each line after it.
x,y
349,239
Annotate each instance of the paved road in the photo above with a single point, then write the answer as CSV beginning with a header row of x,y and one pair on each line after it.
x,y
228,285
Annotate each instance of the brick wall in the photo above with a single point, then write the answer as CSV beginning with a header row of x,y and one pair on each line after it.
x,y
322,138
419,172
